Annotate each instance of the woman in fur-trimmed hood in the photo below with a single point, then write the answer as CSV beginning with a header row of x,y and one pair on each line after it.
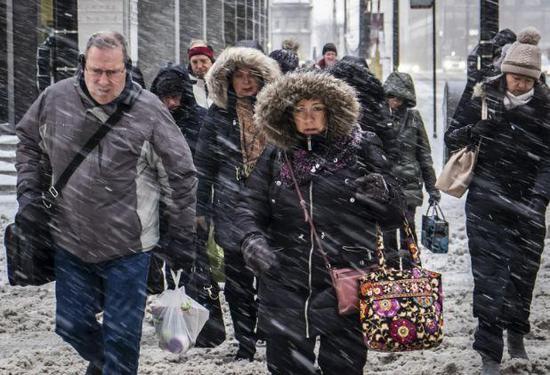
x,y
341,171
228,148
508,195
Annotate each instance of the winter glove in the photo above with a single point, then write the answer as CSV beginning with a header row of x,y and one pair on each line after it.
x,y
258,256
372,188
435,197
179,253
483,128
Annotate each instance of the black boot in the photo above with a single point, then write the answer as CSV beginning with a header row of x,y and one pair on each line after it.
x,y
93,370
245,354
489,366
516,348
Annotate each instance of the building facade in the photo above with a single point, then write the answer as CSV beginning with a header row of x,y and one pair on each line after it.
x,y
291,19
33,31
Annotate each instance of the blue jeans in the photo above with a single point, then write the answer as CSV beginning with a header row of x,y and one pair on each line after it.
x,y
116,287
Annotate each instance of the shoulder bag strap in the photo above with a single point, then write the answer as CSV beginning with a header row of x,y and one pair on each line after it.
x,y
307,217
53,192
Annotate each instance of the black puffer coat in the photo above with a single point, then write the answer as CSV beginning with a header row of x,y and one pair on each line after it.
x,y
514,162
505,238
218,157
299,298
411,152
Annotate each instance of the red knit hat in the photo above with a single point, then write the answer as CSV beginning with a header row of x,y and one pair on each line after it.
x,y
201,50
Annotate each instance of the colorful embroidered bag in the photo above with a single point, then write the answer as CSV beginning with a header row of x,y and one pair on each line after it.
x,y
401,310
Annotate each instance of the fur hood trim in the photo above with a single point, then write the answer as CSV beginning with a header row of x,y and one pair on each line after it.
x,y
217,78
275,103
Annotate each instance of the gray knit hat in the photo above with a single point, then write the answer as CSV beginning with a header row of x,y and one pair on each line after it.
x,y
523,57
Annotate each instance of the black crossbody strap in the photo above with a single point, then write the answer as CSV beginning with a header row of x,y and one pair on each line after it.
x,y
53,192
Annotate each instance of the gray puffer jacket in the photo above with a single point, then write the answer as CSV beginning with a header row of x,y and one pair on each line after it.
x,y
109,207
410,147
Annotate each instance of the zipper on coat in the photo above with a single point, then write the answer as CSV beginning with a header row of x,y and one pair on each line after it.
x,y
310,261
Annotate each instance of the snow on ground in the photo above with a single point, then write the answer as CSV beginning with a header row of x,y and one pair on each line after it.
x,y
28,344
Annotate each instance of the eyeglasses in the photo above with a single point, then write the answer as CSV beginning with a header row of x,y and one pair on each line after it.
x,y
315,110
97,73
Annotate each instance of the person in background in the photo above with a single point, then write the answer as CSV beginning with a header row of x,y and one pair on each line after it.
x,y
287,56
375,114
106,219
227,151
330,56
508,196
344,176
201,58
411,152
174,88
500,44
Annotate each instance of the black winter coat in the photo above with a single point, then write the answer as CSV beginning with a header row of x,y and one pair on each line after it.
x,y
219,162
514,161
299,297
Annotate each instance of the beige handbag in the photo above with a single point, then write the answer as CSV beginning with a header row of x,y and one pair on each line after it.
x,y
459,169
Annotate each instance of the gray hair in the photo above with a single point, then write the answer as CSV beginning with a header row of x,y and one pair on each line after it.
x,y
108,39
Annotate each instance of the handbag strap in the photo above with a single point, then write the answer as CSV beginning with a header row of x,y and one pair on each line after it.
x,y
53,192
436,210
411,244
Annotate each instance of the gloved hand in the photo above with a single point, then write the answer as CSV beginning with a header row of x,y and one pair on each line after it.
x,y
179,253
372,189
201,223
484,128
435,196
258,256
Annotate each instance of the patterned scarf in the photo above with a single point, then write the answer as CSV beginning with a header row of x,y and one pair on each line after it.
x,y
252,140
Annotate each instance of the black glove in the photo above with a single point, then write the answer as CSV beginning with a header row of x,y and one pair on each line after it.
x,y
435,197
179,253
258,256
372,188
484,128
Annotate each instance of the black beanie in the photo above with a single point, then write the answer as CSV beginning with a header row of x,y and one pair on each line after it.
x,y
168,84
329,47
287,59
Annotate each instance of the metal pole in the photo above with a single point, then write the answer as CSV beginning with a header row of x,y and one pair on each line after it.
x,y
488,20
434,63
177,31
395,35
204,20
11,71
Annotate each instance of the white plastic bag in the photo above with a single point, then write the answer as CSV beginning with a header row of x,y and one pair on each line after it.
x,y
178,319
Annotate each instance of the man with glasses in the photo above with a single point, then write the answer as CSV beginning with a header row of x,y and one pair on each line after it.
x,y
106,218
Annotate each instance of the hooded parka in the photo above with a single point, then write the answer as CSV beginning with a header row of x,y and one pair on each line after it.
x,y
505,238
189,116
413,165
298,298
219,158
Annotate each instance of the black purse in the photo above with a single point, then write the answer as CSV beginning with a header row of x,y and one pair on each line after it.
x,y
30,251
